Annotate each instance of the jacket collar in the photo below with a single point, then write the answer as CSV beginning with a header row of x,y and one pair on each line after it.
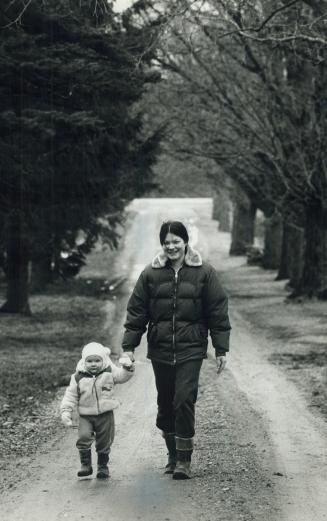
x,y
192,258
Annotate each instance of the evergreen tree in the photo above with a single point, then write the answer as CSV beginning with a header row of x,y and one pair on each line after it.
x,y
71,145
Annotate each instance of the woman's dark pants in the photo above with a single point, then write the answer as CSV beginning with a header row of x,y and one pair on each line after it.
x,y
177,387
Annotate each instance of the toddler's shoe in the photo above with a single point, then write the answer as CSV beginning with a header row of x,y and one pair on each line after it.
x,y
86,467
103,471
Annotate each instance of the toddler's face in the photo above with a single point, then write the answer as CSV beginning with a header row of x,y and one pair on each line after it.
x,y
93,364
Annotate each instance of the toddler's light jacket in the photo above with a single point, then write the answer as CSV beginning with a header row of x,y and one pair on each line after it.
x,y
93,394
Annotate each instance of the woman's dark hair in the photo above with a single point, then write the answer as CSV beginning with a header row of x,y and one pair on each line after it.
x,y
175,227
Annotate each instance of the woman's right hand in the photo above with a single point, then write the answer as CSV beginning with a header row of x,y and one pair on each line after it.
x,y
127,354
126,362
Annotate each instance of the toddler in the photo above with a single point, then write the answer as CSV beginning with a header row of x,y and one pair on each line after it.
x,y
91,389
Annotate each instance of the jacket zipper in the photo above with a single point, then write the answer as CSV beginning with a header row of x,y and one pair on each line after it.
x,y
174,314
96,394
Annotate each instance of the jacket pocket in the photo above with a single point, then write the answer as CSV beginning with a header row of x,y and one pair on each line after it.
x,y
152,333
203,331
107,388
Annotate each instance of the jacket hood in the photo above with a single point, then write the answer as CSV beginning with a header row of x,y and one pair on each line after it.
x,y
192,258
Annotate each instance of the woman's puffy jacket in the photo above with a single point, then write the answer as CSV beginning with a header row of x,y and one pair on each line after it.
x,y
179,309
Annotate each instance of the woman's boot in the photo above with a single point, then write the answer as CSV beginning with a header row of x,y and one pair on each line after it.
x,y
184,449
172,456
103,471
86,463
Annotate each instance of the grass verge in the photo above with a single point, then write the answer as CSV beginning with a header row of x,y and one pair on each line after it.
x,y
295,331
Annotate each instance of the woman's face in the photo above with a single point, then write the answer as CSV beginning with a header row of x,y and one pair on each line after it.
x,y
174,247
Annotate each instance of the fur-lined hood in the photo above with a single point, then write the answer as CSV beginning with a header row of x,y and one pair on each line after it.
x,y
192,258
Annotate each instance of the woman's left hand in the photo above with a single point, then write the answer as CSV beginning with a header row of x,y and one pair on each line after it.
x,y
221,363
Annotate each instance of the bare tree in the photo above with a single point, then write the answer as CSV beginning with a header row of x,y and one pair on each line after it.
x,y
244,86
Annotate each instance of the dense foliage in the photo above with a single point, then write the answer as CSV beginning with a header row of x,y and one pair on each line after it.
x,y
72,148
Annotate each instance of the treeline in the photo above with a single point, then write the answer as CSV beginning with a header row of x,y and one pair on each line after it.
x,y
73,149
244,89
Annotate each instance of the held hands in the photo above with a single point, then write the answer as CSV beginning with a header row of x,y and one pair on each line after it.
x,y
126,360
129,354
221,363
66,419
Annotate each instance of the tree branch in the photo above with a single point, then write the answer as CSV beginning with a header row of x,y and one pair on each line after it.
x,y
272,15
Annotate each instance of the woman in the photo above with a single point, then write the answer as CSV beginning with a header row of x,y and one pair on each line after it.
x,y
178,298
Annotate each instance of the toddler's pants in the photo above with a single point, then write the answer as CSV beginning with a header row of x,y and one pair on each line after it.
x,y
100,427
177,387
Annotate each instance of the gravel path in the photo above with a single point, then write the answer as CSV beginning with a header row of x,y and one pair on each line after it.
x,y
259,454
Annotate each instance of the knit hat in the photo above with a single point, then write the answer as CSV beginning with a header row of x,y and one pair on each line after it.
x,y
95,349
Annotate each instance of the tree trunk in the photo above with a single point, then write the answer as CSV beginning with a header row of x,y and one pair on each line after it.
x,y
56,270
17,247
314,277
295,253
222,211
41,274
243,225
283,271
273,242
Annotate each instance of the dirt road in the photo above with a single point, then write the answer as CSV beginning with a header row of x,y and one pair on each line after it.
x,y
259,453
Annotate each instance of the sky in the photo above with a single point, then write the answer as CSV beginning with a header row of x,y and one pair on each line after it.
x,y
120,5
